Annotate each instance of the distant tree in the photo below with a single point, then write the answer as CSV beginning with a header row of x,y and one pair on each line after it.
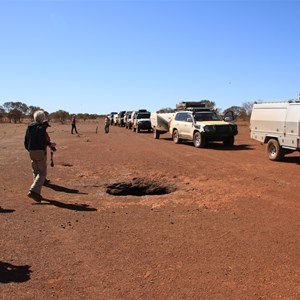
x,y
2,113
15,110
247,106
14,115
86,116
60,116
209,103
238,111
93,116
83,116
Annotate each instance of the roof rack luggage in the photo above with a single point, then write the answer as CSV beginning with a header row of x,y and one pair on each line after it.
x,y
191,105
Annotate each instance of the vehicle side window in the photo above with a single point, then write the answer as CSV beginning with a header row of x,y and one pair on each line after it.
x,y
188,116
182,116
178,117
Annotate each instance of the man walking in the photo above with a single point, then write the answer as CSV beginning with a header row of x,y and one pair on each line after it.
x,y
36,143
74,124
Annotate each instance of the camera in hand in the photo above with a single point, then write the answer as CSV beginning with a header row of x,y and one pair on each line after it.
x,y
53,149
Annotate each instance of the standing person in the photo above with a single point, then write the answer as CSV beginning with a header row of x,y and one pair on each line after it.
x,y
36,143
74,124
106,124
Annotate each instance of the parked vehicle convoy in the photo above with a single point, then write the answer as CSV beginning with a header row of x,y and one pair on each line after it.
x,y
276,124
115,119
140,120
127,117
111,117
160,123
196,122
121,118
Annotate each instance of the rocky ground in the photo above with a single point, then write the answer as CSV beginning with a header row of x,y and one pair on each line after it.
x,y
126,216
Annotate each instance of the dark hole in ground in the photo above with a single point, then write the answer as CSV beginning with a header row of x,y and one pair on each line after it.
x,y
139,187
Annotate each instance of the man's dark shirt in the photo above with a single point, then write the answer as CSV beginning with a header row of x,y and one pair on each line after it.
x,y
36,137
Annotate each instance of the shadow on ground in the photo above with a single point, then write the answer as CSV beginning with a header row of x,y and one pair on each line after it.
x,y
291,159
76,207
220,146
5,210
12,273
63,189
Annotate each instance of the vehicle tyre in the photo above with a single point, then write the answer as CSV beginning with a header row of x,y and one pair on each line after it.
x,y
199,140
156,134
175,137
274,151
229,142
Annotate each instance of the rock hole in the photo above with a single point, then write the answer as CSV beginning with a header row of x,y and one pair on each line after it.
x,y
139,187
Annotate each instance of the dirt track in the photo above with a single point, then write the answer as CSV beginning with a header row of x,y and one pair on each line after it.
x,y
230,230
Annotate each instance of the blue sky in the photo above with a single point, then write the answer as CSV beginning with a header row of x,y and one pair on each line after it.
x,y
102,56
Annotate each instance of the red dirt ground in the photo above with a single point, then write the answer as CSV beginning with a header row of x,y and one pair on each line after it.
x,y
230,230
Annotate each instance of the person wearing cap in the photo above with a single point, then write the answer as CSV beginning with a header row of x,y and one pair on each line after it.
x,y
36,143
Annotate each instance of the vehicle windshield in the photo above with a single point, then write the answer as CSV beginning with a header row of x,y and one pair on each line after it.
x,y
143,116
206,116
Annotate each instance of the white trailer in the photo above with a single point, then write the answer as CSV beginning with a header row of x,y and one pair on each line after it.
x,y
276,124
160,123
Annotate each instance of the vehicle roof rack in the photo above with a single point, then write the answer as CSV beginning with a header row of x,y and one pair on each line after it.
x,y
192,106
287,101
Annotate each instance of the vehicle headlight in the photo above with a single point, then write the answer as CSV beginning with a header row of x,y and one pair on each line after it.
x,y
209,128
197,126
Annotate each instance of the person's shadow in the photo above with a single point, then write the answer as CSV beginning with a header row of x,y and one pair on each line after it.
x,y
63,189
5,210
71,206
12,273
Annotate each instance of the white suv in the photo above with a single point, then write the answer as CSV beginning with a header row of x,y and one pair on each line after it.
x,y
202,126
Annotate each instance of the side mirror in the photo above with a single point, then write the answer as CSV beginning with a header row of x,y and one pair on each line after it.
x,y
229,116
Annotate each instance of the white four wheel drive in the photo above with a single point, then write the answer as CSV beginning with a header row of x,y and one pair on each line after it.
x,y
276,124
203,125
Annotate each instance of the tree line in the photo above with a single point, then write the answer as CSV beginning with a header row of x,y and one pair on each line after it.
x,y
16,112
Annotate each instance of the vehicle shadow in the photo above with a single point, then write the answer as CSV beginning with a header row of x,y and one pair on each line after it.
x,y
63,189
71,206
12,273
292,160
220,146
216,145
5,211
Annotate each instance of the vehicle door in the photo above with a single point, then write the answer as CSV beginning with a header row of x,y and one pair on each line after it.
x,y
292,125
186,127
